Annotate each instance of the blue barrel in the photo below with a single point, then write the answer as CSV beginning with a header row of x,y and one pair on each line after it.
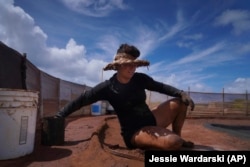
x,y
96,108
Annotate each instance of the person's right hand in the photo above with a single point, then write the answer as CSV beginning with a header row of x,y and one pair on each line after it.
x,y
186,99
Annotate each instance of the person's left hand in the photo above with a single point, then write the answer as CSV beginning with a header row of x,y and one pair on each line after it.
x,y
186,99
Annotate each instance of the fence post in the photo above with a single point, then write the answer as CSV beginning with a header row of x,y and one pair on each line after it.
x,y
41,93
59,94
189,110
223,101
24,70
246,103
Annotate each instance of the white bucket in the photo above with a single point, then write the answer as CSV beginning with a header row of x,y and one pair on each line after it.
x,y
96,108
18,111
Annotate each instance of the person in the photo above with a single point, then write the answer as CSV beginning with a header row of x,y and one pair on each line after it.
x,y
125,91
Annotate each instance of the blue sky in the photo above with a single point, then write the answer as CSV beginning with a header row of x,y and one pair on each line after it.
x,y
201,45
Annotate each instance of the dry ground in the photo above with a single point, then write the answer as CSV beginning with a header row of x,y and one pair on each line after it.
x,y
96,141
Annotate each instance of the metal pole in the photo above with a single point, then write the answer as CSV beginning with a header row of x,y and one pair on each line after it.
x,y
223,100
246,102
41,93
59,94
24,70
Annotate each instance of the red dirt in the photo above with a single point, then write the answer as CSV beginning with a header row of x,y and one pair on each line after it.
x,y
86,141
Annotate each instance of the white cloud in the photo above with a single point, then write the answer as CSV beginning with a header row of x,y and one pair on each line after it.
x,y
70,52
19,31
179,26
109,44
184,44
201,55
240,85
146,40
95,8
71,63
239,19
197,36
184,79
189,40
244,48
74,63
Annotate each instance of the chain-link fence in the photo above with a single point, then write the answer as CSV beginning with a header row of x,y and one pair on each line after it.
x,y
54,92
211,104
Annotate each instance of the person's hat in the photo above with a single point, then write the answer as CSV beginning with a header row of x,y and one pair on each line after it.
x,y
124,58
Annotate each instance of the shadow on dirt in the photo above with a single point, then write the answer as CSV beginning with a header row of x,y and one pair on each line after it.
x,y
241,131
50,154
42,154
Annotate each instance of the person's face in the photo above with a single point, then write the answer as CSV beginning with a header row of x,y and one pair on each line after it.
x,y
127,71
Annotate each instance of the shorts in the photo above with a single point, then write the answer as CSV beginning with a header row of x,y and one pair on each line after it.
x,y
128,133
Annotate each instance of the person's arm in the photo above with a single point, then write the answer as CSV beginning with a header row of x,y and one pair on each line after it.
x,y
73,106
160,87
86,98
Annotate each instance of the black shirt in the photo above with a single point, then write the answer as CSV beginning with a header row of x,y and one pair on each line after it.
x,y
128,100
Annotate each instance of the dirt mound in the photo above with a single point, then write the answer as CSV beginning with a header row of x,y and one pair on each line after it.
x,y
104,148
96,141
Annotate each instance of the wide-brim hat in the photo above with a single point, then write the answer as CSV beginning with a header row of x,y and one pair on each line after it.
x,y
123,58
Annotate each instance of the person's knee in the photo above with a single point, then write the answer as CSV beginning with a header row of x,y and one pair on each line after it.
x,y
166,142
173,142
178,105
141,139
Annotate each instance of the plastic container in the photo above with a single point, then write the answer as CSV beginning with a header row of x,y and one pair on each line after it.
x,y
96,108
52,131
18,112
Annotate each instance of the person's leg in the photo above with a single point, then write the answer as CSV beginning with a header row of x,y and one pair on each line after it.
x,y
171,112
157,138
